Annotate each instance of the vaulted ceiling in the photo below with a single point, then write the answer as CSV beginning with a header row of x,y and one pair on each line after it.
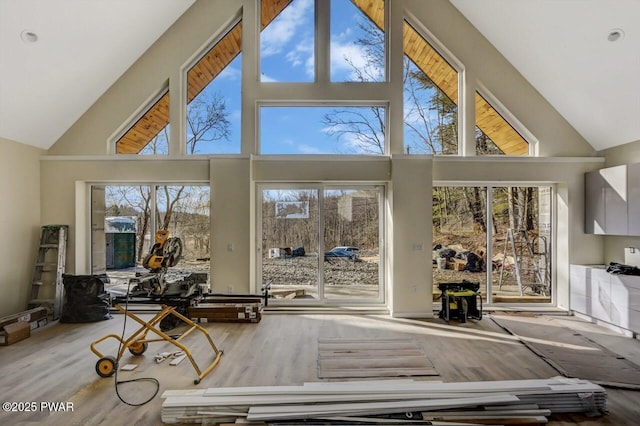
x,y
83,47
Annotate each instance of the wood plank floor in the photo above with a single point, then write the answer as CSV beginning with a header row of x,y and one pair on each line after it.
x,y
56,364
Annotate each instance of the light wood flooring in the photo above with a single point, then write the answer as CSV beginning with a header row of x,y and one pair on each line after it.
x,y
56,364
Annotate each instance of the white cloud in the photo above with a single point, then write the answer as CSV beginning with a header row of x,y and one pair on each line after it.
x,y
308,149
281,31
267,79
230,73
357,56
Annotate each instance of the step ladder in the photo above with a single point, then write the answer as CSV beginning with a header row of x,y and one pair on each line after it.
x,y
528,263
46,285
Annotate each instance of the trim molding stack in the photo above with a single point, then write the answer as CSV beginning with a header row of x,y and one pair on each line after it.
x,y
481,402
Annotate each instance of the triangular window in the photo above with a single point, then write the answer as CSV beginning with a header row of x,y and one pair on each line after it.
x,y
150,133
494,135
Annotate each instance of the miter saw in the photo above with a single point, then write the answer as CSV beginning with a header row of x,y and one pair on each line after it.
x,y
164,254
153,288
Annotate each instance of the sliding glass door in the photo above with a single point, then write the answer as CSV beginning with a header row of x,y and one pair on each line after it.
x,y
498,236
321,244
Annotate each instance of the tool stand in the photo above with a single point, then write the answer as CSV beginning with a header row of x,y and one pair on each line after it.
x,y
138,342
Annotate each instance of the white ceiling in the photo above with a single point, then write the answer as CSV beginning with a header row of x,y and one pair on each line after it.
x,y
561,48
84,46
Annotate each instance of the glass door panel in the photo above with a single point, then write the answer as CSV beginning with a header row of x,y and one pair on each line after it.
x,y
351,220
290,230
183,210
521,244
459,236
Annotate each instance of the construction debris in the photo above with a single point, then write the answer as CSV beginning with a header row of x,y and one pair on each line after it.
x,y
403,401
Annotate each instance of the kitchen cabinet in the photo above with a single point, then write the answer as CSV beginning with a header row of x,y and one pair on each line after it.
x,y
612,201
633,193
614,299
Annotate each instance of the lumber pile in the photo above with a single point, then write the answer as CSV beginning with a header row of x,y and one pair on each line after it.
x,y
404,401
228,310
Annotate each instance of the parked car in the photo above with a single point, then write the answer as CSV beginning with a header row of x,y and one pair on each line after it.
x,y
348,252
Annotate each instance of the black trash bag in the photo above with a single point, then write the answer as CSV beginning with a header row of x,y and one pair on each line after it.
x,y
298,251
474,263
619,268
85,299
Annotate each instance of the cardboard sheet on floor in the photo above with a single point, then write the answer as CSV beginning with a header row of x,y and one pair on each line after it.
x,y
352,358
571,353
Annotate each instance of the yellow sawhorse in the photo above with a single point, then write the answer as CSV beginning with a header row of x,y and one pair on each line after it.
x,y
137,343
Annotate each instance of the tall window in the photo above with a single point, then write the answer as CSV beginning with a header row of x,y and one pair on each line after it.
x,y
430,98
287,41
357,41
214,97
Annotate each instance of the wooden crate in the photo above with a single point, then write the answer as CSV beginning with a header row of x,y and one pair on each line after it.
x,y
456,264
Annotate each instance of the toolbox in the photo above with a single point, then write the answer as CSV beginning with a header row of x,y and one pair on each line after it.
x,y
460,300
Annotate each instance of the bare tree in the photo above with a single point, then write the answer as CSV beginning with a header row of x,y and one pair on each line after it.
x,y
430,116
365,136
207,121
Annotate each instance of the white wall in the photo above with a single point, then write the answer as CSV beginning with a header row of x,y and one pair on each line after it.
x,y
19,222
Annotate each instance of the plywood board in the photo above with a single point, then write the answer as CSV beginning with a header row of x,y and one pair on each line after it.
x,y
358,358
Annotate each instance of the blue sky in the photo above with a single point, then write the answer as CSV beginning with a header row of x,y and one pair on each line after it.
x,y
287,55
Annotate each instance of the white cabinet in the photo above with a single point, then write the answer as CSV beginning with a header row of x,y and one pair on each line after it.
x,y
594,222
614,299
633,193
612,200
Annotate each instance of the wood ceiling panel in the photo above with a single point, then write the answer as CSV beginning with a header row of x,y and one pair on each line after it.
x,y
373,9
430,62
216,60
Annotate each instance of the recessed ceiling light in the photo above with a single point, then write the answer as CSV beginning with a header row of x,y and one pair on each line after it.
x,y
28,36
615,34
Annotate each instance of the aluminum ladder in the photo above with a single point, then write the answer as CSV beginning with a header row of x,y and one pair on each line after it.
x,y
46,285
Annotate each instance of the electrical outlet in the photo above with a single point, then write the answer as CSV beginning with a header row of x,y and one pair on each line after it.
x,y
230,289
